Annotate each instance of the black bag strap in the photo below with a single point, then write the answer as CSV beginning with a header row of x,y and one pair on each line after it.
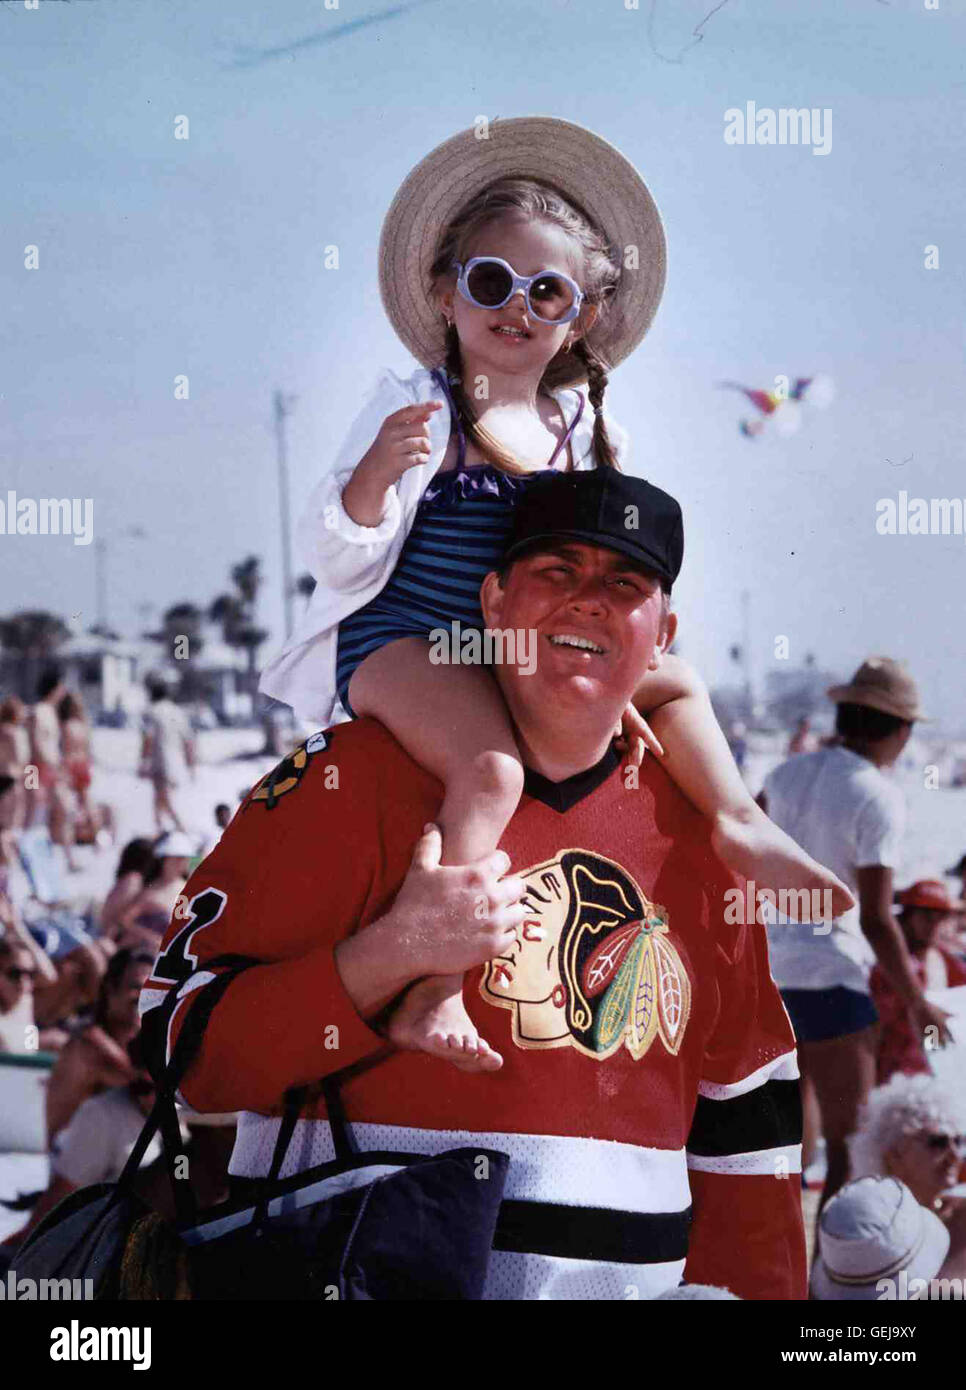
x,y
342,1136
164,1115
296,1099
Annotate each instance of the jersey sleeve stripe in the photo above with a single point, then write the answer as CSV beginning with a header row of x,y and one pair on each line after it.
x,y
768,1117
783,1068
760,1161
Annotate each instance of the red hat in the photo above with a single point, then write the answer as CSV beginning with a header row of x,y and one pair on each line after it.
x,y
930,893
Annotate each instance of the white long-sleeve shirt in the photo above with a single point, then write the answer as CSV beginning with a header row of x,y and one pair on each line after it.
x,y
351,563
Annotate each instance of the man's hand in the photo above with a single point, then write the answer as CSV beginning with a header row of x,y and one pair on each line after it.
x,y
445,920
449,918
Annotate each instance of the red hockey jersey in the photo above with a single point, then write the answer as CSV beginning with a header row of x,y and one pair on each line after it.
x,y
649,1091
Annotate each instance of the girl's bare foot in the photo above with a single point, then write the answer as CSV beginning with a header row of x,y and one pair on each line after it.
x,y
756,848
432,1018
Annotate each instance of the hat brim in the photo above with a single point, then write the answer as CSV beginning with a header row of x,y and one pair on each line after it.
x,y
862,695
633,552
925,1264
587,170
955,905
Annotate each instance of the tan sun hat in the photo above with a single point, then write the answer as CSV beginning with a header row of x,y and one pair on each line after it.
x,y
589,172
882,684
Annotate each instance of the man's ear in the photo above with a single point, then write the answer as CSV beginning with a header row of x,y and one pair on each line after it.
x,y
664,641
492,596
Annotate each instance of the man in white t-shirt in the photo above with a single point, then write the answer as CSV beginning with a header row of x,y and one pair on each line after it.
x,y
167,751
840,807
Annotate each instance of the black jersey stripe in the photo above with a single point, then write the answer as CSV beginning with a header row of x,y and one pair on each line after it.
x,y
769,1117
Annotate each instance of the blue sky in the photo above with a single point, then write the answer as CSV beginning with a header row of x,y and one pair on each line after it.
x,y
205,256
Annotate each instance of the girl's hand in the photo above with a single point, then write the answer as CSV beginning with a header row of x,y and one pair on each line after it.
x,y
402,442
635,734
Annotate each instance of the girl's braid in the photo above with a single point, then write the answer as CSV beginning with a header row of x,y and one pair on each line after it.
x,y
596,385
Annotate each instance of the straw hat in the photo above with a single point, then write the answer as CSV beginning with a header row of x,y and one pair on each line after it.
x,y
589,172
882,684
872,1229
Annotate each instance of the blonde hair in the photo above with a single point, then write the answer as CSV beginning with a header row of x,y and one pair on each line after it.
x,y
599,278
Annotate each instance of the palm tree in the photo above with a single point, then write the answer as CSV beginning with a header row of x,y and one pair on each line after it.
x,y
235,612
31,639
182,620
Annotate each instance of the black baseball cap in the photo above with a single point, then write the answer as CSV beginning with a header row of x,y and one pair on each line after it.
x,y
600,506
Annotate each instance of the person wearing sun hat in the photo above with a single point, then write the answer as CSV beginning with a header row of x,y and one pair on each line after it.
x,y
150,912
927,908
516,262
840,805
480,172
876,1242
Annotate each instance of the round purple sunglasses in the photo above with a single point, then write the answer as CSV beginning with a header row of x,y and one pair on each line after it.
x,y
489,283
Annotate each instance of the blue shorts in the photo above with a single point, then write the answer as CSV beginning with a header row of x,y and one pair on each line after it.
x,y
818,1015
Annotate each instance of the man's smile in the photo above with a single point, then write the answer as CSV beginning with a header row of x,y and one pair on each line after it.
x,y
576,642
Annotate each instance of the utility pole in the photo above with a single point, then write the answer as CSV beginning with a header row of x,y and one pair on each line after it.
x,y
746,650
100,570
283,409
100,566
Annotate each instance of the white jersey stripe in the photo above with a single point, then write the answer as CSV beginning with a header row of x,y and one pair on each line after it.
x,y
785,1159
543,1167
783,1068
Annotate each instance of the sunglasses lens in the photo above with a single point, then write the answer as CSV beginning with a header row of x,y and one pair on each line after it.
x,y
489,283
551,297
945,1141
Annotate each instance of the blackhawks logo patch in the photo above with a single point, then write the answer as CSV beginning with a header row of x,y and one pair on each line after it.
x,y
593,966
288,774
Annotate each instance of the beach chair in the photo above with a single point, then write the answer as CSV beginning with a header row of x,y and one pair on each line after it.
x,y
56,922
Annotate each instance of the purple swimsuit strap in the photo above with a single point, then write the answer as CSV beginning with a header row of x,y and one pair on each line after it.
x,y
440,378
570,429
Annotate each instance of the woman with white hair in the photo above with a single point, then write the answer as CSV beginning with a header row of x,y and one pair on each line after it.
x,y
896,1225
912,1129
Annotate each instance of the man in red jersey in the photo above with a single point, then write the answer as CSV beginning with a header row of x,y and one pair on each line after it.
x,y
648,1098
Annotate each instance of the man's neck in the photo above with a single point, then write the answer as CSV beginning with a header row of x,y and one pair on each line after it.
x,y
875,753
558,755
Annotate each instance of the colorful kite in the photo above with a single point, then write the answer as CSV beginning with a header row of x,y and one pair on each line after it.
x,y
783,407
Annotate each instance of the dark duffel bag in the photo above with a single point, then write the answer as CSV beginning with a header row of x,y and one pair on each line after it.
x,y
373,1226
368,1226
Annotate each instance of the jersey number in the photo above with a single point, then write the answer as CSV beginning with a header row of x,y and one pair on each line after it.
x,y
177,962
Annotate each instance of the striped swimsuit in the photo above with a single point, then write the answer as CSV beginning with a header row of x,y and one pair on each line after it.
x,y
458,535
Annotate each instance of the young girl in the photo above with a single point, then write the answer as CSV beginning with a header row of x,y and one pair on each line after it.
x,y
525,283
